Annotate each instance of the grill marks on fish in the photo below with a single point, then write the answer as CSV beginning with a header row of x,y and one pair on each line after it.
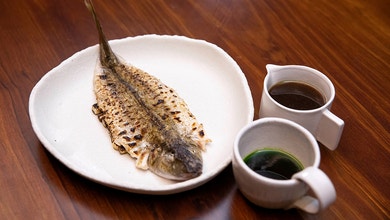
x,y
146,118
124,118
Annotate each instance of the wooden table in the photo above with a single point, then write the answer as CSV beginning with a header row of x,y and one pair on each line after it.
x,y
348,40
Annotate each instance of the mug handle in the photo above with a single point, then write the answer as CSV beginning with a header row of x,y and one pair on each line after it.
x,y
329,130
322,188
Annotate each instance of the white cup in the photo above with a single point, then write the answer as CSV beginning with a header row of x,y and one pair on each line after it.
x,y
324,125
287,136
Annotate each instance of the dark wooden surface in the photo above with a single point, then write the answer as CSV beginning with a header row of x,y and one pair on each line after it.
x,y
348,40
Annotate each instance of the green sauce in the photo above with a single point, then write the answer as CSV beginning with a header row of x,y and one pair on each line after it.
x,y
273,163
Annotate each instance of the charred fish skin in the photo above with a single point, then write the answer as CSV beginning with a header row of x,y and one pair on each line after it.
x,y
146,118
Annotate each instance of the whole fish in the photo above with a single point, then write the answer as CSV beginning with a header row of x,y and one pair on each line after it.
x,y
146,118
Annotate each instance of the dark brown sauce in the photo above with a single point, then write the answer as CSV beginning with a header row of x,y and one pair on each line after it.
x,y
297,95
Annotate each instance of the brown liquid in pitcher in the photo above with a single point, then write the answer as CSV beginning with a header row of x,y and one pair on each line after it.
x,y
297,95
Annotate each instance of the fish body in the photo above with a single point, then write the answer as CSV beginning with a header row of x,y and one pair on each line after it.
x,y
146,118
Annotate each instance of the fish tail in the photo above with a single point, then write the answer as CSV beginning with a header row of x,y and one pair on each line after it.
x,y
105,51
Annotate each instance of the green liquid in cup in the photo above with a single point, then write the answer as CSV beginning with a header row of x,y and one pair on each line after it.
x,y
273,163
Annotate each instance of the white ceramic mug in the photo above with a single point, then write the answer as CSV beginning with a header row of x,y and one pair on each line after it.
x,y
288,136
324,125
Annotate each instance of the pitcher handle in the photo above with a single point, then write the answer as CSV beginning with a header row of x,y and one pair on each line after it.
x,y
329,130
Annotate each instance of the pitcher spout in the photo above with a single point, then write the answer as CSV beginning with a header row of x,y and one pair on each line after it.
x,y
272,67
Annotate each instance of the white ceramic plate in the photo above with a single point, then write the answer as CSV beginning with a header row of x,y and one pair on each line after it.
x,y
205,76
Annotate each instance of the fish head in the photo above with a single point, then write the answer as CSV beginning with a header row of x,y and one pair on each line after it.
x,y
176,161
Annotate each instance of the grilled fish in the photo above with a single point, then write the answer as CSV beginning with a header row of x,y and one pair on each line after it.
x,y
145,118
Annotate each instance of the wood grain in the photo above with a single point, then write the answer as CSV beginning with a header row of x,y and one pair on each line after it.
x,y
348,40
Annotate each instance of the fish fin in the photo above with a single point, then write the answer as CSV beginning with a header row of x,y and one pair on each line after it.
x,y
106,54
